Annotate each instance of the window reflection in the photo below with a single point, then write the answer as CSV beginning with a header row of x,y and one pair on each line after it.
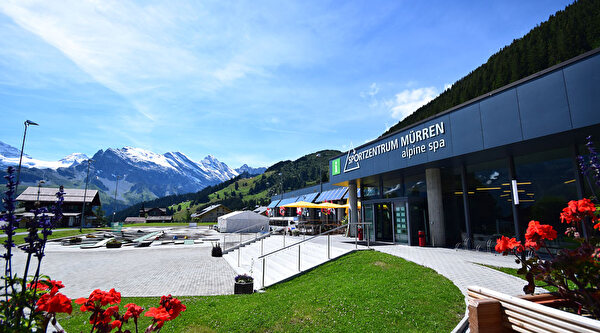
x,y
489,201
546,182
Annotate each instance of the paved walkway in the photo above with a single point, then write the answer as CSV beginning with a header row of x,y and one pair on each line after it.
x,y
460,266
181,270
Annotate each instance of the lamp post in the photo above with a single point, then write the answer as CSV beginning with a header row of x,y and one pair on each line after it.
x,y
320,175
116,187
89,161
39,188
27,123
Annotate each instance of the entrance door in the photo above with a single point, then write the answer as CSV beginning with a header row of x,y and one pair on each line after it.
x,y
383,222
401,221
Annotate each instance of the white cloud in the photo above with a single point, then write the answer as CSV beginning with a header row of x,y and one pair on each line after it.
x,y
409,100
373,90
447,86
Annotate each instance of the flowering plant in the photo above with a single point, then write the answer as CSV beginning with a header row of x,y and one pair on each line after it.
x,y
27,306
244,278
574,272
107,319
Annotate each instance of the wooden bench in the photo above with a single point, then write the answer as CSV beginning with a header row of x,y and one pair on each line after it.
x,y
492,311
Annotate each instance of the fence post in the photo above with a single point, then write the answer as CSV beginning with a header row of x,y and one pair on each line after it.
x,y
356,237
298,258
284,232
263,271
328,246
239,255
261,247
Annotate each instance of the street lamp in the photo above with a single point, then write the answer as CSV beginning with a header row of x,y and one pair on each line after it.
x,y
320,174
39,188
89,161
116,187
27,123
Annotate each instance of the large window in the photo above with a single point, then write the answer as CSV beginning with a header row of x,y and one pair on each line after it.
x,y
546,182
490,203
454,211
393,188
415,186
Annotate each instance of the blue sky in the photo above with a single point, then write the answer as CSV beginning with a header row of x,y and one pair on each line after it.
x,y
247,81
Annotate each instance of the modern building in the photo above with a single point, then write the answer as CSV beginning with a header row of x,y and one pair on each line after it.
x,y
482,169
72,204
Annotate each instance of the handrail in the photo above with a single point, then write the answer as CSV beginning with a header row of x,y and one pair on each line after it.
x,y
311,238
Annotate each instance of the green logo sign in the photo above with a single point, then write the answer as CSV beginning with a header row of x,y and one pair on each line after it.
x,y
336,167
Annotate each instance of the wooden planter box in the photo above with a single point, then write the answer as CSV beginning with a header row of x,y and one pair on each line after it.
x,y
243,288
492,311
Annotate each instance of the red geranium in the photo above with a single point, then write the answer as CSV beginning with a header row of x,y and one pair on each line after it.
x,y
503,244
577,210
55,303
133,310
537,232
160,315
173,306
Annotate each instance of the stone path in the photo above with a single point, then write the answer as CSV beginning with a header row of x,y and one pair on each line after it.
x,y
460,266
180,270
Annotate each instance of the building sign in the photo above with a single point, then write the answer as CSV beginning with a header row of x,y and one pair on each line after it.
x,y
353,158
413,138
413,143
336,167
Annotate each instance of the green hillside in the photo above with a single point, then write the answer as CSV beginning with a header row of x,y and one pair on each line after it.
x,y
566,34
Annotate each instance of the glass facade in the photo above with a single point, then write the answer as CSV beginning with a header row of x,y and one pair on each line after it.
x,y
546,183
490,201
454,211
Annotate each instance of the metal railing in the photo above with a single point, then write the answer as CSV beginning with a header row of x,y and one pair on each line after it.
x,y
328,233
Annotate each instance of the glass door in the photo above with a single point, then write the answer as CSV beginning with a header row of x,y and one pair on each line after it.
x,y
383,222
368,218
401,222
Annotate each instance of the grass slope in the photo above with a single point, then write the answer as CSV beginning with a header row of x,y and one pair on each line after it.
x,y
363,291
244,186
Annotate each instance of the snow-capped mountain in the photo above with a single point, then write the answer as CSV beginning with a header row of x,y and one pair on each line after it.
x,y
142,174
250,170
9,155
73,159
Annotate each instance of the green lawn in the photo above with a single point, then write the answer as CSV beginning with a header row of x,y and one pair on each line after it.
x,y
57,233
363,291
513,272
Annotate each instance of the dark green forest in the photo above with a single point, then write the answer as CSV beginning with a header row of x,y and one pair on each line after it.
x,y
566,34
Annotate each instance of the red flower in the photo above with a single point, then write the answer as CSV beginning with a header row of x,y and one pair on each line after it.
x,y
115,324
173,306
57,303
597,226
133,310
160,315
577,210
45,285
537,232
504,244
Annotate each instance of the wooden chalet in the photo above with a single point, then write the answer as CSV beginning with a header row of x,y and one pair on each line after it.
x,y
72,204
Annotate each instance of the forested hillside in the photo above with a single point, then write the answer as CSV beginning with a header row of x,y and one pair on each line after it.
x,y
568,33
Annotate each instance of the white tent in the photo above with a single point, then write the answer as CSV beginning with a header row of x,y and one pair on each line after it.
x,y
243,221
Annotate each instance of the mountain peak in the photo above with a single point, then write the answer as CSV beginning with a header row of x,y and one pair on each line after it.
x,y
73,159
